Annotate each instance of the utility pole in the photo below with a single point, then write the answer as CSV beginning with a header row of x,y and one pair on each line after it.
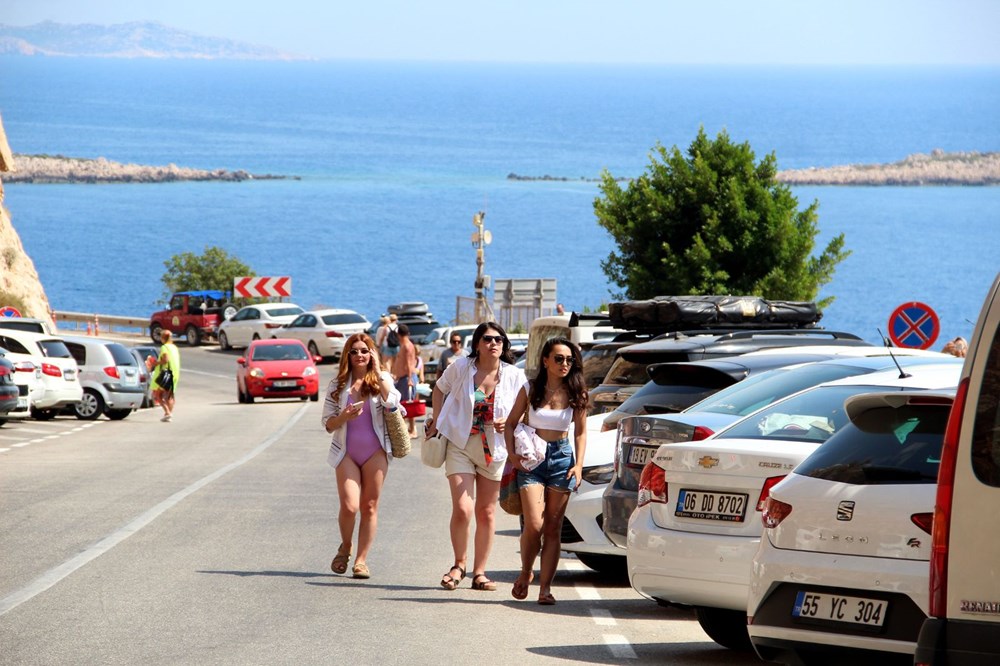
x,y
480,239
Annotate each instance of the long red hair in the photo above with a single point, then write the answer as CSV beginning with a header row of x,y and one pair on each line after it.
x,y
372,383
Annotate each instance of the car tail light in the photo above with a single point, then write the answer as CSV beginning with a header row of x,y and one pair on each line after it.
x,y
774,512
701,432
942,504
334,334
272,325
652,485
112,371
924,521
51,370
605,426
765,492
24,366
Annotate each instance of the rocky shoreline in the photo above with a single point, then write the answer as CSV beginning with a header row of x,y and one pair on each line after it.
x,y
59,169
936,168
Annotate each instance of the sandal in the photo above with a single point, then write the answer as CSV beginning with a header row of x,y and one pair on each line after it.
x,y
339,564
448,581
482,583
546,599
361,570
520,589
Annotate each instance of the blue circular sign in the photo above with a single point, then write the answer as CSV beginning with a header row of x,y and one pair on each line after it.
x,y
914,325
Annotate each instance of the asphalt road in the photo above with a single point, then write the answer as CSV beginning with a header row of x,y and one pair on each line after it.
x,y
208,541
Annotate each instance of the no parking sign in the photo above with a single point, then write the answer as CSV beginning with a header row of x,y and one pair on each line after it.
x,y
9,311
914,325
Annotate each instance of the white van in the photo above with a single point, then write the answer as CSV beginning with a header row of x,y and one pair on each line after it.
x,y
582,329
964,622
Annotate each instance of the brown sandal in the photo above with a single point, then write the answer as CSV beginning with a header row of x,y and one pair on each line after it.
x,y
339,563
448,581
482,583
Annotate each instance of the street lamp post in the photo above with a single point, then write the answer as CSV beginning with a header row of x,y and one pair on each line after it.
x,y
480,239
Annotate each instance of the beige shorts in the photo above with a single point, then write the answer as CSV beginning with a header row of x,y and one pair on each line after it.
x,y
471,460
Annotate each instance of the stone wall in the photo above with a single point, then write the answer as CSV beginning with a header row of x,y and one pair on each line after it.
x,y
19,283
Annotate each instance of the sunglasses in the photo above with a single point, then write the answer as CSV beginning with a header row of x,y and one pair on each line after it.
x,y
456,341
359,352
559,359
498,339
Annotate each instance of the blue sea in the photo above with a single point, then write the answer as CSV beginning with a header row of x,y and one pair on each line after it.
x,y
394,159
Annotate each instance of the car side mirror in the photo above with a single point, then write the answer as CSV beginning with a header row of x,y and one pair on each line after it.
x,y
241,360
440,342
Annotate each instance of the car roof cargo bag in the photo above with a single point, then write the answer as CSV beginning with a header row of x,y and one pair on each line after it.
x,y
671,313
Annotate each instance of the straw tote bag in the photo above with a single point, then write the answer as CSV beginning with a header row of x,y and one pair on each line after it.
x,y
399,433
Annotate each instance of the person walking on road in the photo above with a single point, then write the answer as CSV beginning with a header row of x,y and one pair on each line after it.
x,y
360,449
389,344
556,400
167,374
404,364
470,400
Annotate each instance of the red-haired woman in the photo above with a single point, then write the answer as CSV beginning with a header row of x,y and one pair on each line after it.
x,y
360,450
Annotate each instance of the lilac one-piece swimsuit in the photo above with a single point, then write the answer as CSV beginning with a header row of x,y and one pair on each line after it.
x,y
362,440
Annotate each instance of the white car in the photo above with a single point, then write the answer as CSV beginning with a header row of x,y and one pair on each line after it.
x,y
59,373
324,332
28,378
437,340
256,322
696,528
845,560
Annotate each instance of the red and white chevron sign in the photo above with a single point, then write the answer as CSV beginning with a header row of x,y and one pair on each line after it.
x,y
262,287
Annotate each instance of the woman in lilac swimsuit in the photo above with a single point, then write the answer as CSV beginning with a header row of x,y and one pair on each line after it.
x,y
554,401
360,450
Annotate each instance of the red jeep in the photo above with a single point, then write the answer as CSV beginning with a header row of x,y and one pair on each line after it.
x,y
194,314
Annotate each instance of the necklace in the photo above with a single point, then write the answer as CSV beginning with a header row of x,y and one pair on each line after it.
x,y
549,391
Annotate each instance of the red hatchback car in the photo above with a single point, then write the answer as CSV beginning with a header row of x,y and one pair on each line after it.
x,y
278,368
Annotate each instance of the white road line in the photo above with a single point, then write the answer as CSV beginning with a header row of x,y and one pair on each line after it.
x,y
602,617
619,646
56,574
573,565
207,374
4,450
12,439
587,592
20,444
34,431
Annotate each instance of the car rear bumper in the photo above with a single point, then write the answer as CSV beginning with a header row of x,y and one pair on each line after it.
x,y
687,567
958,643
124,398
582,528
60,397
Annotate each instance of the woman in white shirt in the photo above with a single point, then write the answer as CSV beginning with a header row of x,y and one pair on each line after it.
x,y
470,400
554,401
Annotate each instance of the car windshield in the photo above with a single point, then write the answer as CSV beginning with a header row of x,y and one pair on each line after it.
x,y
285,312
54,349
344,318
760,390
280,353
811,416
627,373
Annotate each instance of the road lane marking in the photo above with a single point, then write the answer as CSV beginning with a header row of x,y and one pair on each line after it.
x,y
602,617
4,450
574,565
56,574
587,592
619,646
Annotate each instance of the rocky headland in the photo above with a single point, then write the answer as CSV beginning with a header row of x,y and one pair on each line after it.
x,y
59,169
935,168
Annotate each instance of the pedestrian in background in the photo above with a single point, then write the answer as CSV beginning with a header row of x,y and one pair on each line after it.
x,y
470,400
166,382
390,346
957,347
554,401
360,449
449,355
380,335
404,364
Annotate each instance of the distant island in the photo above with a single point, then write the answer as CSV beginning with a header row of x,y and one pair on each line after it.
x,y
59,169
936,168
139,39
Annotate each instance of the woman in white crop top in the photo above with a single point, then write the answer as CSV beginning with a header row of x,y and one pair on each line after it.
x,y
551,467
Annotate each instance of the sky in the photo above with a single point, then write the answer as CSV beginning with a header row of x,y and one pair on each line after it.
x,y
829,32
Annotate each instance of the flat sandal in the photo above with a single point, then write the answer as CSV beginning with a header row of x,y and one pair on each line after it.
x,y
481,582
448,581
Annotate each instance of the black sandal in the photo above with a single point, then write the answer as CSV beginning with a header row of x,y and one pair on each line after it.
x,y
448,581
482,583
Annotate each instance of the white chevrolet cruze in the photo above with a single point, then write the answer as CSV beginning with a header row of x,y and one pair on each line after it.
x,y
844,562
697,526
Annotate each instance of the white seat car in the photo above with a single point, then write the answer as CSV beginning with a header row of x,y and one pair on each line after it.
x,y
58,369
696,528
324,332
843,566
255,322
28,378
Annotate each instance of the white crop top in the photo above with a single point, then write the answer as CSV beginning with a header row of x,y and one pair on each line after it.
x,y
550,419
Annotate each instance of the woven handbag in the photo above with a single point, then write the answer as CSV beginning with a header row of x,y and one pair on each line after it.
x,y
399,433
510,496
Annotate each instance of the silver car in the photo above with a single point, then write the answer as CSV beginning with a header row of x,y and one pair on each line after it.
x,y
110,377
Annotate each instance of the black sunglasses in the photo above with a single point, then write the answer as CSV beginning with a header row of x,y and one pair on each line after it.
x,y
492,338
563,360
359,352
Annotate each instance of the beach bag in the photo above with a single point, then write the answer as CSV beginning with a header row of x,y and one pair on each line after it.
x,y
510,496
399,433
165,380
433,450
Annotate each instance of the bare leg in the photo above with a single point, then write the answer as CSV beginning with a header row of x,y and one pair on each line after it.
x,y
349,492
533,503
555,509
487,495
462,502
372,477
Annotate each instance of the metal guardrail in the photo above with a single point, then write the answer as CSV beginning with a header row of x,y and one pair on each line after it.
x,y
82,323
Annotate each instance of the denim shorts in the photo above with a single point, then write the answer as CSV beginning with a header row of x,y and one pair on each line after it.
x,y
551,472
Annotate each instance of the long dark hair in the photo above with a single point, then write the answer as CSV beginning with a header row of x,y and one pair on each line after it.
x,y
575,385
506,356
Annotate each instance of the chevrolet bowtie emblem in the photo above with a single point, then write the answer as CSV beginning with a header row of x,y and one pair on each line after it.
x,y
708,461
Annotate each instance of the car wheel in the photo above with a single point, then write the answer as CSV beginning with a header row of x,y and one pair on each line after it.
x,y
43,414
223,341
314,397
228,310
606,564
313,349
256,337
728,628
91,405
154,332
3,422
193,335
303,398
117,414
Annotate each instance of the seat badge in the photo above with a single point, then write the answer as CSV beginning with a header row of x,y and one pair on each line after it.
x,y
845,510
